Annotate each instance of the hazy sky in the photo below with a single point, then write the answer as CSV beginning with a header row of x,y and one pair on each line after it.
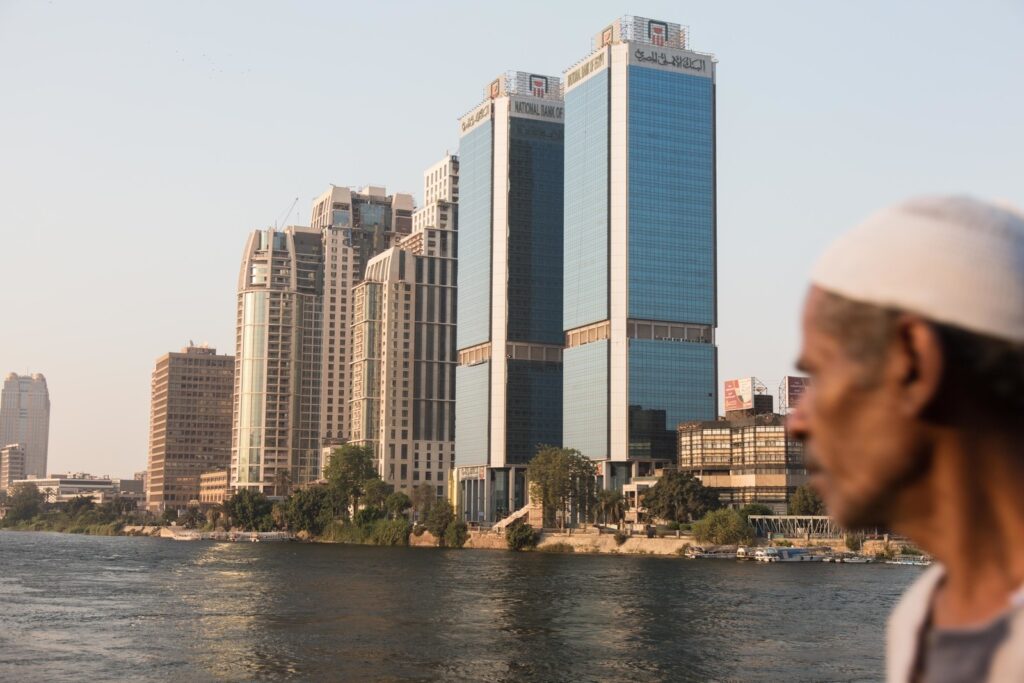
x,y
140,142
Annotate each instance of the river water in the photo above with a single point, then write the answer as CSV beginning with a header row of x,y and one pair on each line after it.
x,y
81,608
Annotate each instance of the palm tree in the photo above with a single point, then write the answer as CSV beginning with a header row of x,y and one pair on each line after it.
x,y
610,504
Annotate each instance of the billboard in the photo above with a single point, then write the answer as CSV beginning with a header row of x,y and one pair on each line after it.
x,y
739,394
793,388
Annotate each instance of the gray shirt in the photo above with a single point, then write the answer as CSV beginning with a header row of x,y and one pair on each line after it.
x,y
962,655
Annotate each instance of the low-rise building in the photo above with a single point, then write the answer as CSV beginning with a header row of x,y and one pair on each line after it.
x,y
12,465
750,460
58,488
213,487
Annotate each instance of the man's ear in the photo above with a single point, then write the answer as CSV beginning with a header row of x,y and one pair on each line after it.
x,y
917,364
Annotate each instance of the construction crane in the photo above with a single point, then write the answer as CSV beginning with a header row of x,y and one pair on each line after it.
x,y
288,213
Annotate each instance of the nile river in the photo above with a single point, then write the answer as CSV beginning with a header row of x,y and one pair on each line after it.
x,y
80,608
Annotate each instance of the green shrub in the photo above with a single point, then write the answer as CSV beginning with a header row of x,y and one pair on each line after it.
x,y
620,538
390,532
854,542
521,536
456,535
672,526
340,532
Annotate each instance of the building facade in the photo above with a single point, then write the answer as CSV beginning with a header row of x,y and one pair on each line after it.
x,y
292,382
640,307
403,336
60,488
509,339
277,389
189,425
25,419
214,486
748,460
12,465
354,226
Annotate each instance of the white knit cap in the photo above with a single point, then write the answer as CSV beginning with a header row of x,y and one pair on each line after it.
x,y
953,260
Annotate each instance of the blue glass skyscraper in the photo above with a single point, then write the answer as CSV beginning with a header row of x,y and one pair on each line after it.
x,y
509,336
639,262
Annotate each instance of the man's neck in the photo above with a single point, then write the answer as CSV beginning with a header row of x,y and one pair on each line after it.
x,y
968,513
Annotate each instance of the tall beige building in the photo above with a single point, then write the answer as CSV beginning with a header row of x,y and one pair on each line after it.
x,y
355,226
276,426
190,424
403,340
25,419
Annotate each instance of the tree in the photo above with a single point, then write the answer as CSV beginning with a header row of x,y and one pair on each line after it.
x,y
565,482
283,483
169,516
25,501
396,504
422,498
610,506
441,514
78,505
250,510
755,509
723,527
192,518
679,497
376,492
350,468
805,501
309,509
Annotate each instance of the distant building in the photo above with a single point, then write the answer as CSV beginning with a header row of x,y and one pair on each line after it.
x,y
509,374
190,424
640,294
214,487
750,460
25,419
60,488
12,465
403,365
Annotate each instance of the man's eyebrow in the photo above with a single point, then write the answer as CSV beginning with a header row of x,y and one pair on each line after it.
x,y
802,365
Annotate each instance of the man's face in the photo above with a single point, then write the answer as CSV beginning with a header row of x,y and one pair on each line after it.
x,y
861,450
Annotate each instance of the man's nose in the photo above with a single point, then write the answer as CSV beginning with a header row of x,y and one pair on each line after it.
x,y
796,423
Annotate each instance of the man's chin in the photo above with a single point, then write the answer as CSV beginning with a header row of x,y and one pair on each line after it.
x,y
859,517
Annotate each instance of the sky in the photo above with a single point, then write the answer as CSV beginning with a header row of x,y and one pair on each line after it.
x,y
140,143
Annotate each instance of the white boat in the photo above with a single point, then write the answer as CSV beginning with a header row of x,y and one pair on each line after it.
x,y
787,555
911,560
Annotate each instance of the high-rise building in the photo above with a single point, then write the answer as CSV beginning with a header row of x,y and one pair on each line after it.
x,y
640,231
189,425
292,383
25,419
276,425
403,337
509,376
12,465
354,226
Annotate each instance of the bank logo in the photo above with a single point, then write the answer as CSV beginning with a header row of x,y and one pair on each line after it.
x,y
657,32
539,85
495,88
606,36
